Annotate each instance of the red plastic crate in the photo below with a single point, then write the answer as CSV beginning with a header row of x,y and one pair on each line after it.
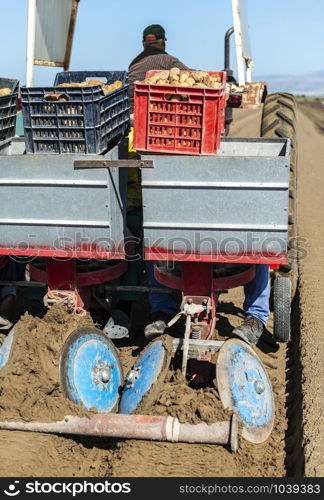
x,y
192,126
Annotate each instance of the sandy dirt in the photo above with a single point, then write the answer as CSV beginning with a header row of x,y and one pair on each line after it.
x,y
24,392
311,263
29,382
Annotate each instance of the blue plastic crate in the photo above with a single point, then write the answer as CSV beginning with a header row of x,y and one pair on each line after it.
x,y
88,123
8,110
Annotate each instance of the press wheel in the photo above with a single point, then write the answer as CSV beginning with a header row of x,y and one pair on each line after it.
x,y
91,374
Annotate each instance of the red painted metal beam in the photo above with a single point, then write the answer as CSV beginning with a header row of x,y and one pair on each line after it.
x,y
246,258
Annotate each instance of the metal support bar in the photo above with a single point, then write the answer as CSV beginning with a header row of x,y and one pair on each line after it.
x,y
78,164
199,345
108,288
186,345
137,427
227,66
30,42
23,284
139,289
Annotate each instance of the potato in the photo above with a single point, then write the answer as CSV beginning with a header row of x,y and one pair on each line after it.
x,y
200,85
113,86
95,82
118,84
183,76
56,97
72,84
215,85
163,75
162,82
5,91
197,76
174,71
189,82
174,78
207,81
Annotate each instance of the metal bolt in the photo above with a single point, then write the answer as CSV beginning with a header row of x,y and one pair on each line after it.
x,y
105,376
132,376
259,386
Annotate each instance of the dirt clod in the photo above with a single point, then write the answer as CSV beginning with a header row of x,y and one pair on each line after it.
x,y
173,396
29,382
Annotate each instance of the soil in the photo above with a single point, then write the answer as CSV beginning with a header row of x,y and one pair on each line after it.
x,y
171,395
314,110
29,386
29,382
174,397
311,264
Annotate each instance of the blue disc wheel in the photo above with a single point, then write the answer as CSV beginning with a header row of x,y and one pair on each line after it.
x,y
6,348
90,370
244,387
142,376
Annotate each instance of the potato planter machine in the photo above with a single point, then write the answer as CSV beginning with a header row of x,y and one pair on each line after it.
x,y
208,220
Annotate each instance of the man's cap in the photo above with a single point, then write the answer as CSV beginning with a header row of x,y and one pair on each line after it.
x,y
153,32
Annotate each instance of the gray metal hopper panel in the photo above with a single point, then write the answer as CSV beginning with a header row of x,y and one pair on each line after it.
x,y
233,204
46,203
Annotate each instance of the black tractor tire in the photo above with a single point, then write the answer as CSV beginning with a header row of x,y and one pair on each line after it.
x,y
281,308
279,120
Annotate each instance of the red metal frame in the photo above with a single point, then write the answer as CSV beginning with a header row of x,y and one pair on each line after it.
x,y
86,252
197,279
81,279
217,284
246,258
200,287
61,274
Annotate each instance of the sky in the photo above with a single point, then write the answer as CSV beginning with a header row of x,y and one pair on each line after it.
x,y
287,36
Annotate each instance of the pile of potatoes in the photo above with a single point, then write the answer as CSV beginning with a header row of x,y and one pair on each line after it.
x,y
178,78
5,91
105,88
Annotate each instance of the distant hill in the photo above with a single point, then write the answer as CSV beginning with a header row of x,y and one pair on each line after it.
x,y
310,84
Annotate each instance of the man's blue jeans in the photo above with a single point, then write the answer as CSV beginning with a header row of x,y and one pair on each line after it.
x,y
256,292
12,271
159,302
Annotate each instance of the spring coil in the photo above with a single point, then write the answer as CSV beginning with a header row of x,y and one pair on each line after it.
x,y
195,333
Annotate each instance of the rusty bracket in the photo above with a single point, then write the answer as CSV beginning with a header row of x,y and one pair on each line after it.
x,y
197,348
253,95
78,164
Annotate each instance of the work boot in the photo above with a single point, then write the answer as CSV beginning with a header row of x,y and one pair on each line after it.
x,y
5,322
250,331
158,325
